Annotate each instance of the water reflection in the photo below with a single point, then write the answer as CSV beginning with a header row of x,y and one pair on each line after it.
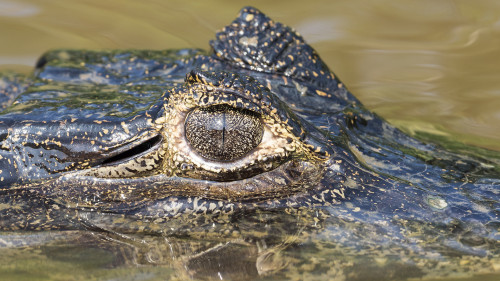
x,y
299,245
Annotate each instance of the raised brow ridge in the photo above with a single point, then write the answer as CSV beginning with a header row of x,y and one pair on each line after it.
x,y
254,41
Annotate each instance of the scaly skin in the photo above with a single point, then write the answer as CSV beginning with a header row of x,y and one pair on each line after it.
x,y
326,167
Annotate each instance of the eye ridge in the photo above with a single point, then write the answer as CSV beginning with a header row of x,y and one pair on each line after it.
x,y
223,133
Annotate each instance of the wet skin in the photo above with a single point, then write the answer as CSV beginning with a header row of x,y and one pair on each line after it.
x,y
173,141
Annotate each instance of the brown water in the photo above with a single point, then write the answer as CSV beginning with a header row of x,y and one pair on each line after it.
x,y
427,65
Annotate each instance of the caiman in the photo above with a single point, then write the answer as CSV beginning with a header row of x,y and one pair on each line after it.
x,y
249,160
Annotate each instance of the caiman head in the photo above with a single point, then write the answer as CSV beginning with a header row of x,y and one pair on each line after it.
x,y
257,142
221,135
258,118
237,123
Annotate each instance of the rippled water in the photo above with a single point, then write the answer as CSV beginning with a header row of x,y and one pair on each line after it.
x,y
427,66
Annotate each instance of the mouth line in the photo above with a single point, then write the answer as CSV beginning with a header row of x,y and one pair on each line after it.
x,y
134,151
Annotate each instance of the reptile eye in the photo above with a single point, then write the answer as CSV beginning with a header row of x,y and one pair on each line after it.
x,y
223,133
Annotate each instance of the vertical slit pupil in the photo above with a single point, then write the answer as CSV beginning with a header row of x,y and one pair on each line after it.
x,y
223,131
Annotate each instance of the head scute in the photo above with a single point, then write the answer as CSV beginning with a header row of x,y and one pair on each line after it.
x,y
254,41
250,16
